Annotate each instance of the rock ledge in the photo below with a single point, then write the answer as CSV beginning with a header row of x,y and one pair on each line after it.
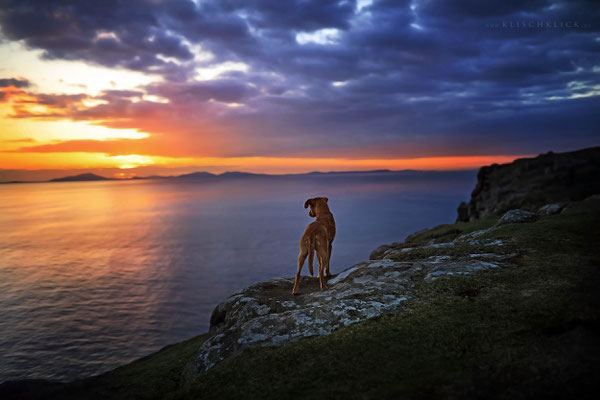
x,y
267,314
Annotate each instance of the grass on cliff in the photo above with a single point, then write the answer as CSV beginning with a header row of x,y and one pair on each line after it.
x,y
458,250
524,332
530,331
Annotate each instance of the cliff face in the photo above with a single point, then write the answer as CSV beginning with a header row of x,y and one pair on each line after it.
x,y
530,183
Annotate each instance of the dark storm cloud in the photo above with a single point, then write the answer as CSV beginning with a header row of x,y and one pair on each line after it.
x,y
18,83
455,76
111,33
303,15
482,9
223,90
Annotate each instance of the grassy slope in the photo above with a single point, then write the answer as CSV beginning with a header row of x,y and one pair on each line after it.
x,y
519,332
527,331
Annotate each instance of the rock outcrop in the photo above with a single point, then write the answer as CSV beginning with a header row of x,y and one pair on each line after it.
x,y
530,183
517,216
267,314
550,209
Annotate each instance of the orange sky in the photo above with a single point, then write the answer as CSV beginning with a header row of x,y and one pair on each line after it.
x,y
66,119
35,135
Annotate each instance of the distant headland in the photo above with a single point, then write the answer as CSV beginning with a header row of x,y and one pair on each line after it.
x,y
233,175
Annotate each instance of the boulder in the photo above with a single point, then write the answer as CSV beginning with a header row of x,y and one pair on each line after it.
x,y
379,252
550,209
516,216
593,197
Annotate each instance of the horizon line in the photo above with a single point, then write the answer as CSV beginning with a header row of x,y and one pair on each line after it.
x,y
216,175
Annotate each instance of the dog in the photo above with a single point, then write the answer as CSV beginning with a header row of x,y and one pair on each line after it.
x,y
318,237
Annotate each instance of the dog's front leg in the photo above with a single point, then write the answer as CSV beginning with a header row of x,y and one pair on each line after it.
x,y
327,272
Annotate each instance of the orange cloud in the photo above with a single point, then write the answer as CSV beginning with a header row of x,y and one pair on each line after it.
x,y
112,147
188,135
7,93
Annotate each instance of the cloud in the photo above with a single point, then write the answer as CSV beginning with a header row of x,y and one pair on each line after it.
x,y
23,140
300,15
423,77
18,83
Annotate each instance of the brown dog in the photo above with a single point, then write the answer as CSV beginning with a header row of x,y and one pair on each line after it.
x,y
318,237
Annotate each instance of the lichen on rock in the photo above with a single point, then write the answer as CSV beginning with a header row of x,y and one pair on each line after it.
x,y
267,314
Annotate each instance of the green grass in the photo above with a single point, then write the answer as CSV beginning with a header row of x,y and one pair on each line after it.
x,y
439,234
522,332
530,331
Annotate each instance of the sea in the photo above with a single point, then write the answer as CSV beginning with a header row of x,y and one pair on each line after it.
x,y
96,274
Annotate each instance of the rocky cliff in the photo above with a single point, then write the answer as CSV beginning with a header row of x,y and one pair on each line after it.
x,y
267,314
530,183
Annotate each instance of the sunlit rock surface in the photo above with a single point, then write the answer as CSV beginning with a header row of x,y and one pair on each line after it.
x,y
267,314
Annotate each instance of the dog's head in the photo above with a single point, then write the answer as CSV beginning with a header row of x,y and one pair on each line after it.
x,y
316,204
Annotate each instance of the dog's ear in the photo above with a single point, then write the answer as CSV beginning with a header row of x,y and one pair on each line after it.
x,y
307,203
326,199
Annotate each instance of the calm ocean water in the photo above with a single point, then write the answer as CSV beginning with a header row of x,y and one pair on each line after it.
x,y
96,274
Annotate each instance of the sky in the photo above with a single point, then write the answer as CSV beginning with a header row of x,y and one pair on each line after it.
x,y
153,87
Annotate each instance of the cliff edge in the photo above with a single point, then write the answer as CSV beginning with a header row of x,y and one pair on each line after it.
x,y
530,183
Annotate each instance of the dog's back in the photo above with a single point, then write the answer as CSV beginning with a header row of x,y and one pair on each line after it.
x,y
316,232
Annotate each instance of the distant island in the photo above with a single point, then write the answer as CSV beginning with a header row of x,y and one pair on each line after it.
x,y
571,172
232,175
80,177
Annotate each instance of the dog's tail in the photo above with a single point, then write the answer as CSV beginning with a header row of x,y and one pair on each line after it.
x,y
311,250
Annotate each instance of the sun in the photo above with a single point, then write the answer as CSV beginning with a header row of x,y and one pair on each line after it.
x,y
132,161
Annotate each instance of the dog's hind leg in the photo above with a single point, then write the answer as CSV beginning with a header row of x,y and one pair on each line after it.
x,y
301,258
311,251
327,272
